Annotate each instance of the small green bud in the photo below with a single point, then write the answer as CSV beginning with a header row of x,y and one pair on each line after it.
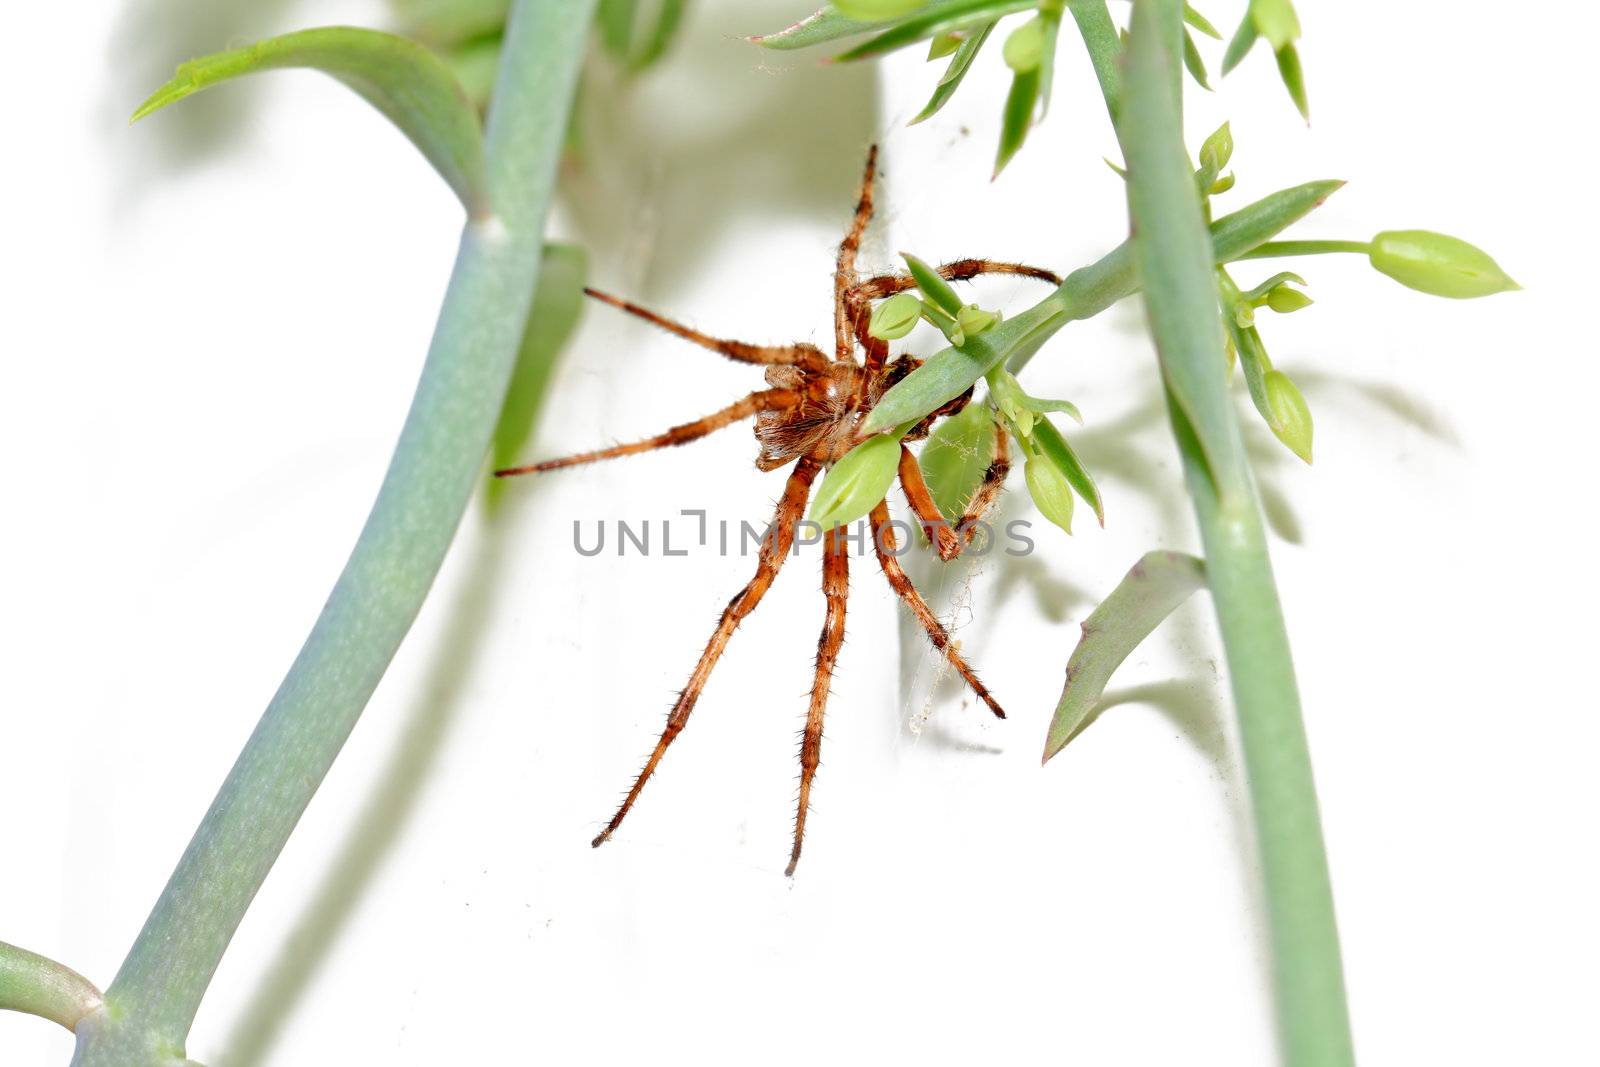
x,y
1244,314
877,10
946,324
943,44
1291,418
1276,21
1221,185
895,317
1051,492
1438,264
1024,49
854,485
1217,150
973,320
1019,415
1285,300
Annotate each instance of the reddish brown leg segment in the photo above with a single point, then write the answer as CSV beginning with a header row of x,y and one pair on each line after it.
x,y
801,355
845,278
939,532
765,400
883,540
959,270
994,480
773,550
836,587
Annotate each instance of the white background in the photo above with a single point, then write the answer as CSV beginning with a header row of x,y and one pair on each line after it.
x,y
211,324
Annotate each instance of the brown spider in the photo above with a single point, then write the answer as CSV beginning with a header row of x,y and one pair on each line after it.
x,y
810,417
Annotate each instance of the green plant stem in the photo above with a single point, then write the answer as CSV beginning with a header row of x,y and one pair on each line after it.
x,y
1176,263
152,1003
1276,249
34,985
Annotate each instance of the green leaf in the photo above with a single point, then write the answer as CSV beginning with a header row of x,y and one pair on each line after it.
x,y
1060,453
956,457
634,46
854,485
1194,62
1199,22
895,317
407,82
960,63
932,285
819,28
1047,60
935,19
1276,21
32,984
1050,490
877,10
1017,119
1244,39
1156,586
1294,79
557,308
476,65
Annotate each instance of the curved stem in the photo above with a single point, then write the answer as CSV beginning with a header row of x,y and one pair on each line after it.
x,y
152,1003
34,985
1276,249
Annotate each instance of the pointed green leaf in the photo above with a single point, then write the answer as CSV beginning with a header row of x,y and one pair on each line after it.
x,y
854,485
442,23
932,285
1017,118
1294,79
1047,60
819,28
1199,22
1156,586
1104,45
1244,39
1276,21
935,19
960,63
1060,453
1194,62
956,456
407,82
877,10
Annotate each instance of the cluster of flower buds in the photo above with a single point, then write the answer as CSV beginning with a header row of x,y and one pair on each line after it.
x,y
939,305
1051,468
1275,395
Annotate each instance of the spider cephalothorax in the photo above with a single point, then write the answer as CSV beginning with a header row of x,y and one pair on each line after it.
x,y
808,417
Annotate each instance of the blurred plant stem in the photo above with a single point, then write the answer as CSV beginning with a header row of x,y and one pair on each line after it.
x,y
153,1001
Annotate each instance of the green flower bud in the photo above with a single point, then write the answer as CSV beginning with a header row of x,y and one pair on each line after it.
x,y
1217,150
1024,49
1221,185
973,320
1291,418
895,317
1285,300
854,485
1438,264
1276,21
876,10
1051,492
946,324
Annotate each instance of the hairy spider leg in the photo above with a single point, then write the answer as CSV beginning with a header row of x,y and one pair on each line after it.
x,y
773,551
988,491
884,542
763,400
934,524
845,279
836,588
959,270
800,355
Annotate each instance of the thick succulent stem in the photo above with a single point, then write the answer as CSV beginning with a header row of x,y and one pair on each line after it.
x,y
152,1003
